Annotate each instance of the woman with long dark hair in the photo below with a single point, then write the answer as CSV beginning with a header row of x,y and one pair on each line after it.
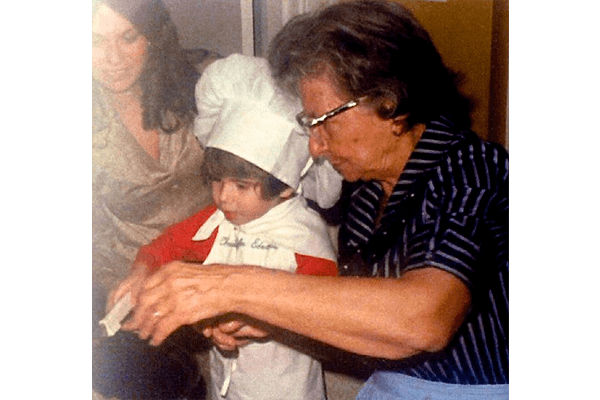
x,y
145,158
145,176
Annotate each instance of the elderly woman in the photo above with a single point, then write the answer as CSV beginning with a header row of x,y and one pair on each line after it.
x,y
145,158
423,243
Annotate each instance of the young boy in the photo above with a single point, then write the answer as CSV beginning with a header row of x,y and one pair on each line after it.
x,y
254,157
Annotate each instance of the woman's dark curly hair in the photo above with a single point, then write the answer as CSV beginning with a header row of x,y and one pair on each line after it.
x,y
167,80
376,49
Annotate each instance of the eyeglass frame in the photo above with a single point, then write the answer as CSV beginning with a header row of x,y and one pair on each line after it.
x,y
308,122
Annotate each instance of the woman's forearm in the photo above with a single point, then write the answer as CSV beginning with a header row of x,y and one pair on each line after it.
x,y
340,312
389,318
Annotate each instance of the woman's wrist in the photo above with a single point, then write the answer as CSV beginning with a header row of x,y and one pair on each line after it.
x,y
250,288
240,289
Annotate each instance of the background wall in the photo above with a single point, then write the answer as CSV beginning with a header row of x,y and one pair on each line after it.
x,y
471,35
271,15
498,117
209,24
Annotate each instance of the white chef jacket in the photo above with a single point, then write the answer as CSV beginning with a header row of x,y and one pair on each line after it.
x,y
268,370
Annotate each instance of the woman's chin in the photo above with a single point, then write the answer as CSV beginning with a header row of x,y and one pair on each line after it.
x,y
117,86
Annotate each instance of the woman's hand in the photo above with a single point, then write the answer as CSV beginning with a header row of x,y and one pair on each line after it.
x,y
181,294
133,283
230,335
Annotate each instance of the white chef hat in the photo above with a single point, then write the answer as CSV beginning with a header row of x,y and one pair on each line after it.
x,y
242,111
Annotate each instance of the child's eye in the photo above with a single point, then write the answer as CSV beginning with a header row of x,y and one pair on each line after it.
x,y
246,184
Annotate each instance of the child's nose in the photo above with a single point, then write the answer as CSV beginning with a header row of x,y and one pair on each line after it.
x,y
224,192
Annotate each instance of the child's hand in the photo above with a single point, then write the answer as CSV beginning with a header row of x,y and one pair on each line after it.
x,y
228,336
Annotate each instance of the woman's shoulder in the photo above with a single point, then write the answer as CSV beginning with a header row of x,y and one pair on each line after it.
x,y
470,162
472,152
456,143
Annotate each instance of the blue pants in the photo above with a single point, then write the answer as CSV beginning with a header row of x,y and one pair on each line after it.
x,y
394,386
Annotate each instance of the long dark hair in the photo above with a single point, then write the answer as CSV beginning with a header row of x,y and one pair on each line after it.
x,y
167,80
372,48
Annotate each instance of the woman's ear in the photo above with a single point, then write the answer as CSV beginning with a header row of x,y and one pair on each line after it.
x,y
399,125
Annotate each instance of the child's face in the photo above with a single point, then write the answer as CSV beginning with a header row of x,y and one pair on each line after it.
x,y
240,199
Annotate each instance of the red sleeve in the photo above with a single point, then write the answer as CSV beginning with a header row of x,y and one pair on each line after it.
x,y
175,243
308,265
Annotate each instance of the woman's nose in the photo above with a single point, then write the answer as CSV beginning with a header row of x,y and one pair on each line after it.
x,y
316,144
114,54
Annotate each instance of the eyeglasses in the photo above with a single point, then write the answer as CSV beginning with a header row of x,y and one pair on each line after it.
x,y
307,122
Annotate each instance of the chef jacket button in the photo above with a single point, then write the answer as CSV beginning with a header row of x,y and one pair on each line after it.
x,y
403,221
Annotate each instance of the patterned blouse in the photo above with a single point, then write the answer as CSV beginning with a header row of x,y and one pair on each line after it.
x,y
134,196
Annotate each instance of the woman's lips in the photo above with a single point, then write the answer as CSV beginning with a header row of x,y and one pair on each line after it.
x,y
116,75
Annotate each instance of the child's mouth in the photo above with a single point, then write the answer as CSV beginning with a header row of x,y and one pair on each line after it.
x,y
229,215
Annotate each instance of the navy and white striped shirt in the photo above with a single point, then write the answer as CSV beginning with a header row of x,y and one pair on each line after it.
x,y
448,210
